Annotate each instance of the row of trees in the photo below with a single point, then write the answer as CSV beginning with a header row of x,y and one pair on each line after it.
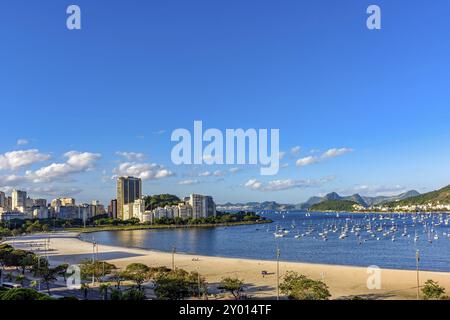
x,y
26,261
218,219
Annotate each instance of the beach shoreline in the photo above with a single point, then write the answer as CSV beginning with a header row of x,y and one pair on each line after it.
x,y
344,282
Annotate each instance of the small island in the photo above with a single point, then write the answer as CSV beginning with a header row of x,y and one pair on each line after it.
x,y
335,206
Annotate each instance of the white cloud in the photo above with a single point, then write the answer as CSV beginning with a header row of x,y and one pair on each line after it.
x,y
219,173
307,161
330,153
205,174
12,180
18,159
282,155
54,191
145,171
188,182
22,142
131,156
76,162
280,185
160,132
295,150
253,184
235,170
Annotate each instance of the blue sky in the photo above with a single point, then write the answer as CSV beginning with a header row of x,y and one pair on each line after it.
x,y
138,70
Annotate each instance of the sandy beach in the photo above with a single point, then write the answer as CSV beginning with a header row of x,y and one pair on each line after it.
x,y
344,281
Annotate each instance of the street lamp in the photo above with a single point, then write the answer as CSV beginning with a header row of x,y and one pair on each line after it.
x,y
93,262
278,273
174,249
417,271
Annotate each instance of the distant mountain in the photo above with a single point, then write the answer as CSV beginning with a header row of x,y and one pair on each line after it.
x,y
441,196
372,201
256,206
333,196
361,200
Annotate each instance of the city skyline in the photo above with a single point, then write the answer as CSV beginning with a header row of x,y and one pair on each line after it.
x,y
354,115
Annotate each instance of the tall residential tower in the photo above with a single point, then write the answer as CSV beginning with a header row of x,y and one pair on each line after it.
x,y
129,189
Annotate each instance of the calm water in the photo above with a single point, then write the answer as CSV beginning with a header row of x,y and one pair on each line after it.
x,y
359,248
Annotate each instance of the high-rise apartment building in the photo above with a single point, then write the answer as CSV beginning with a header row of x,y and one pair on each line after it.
x,y
129,189
19,200
202,206
2,200
112,209
40,202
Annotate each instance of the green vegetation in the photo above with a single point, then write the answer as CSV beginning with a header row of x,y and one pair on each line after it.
x,y
23,294
169,284
27,261
97,269
220,218
179,284
441,196
433,291
161,200
234,286
299,287
334,205
137,272
130,294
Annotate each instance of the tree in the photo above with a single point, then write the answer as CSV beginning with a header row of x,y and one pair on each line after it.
x,y
23,294
104,287
299,287
61,270
85,290
21,279
5,232
232,285
161,200
34,227
98,269
131,294
137,272
178,284
433,291
48,276
134,294
117,277
26,260
5,251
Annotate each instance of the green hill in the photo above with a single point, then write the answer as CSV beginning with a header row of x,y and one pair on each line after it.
x,y
442,196
334,205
